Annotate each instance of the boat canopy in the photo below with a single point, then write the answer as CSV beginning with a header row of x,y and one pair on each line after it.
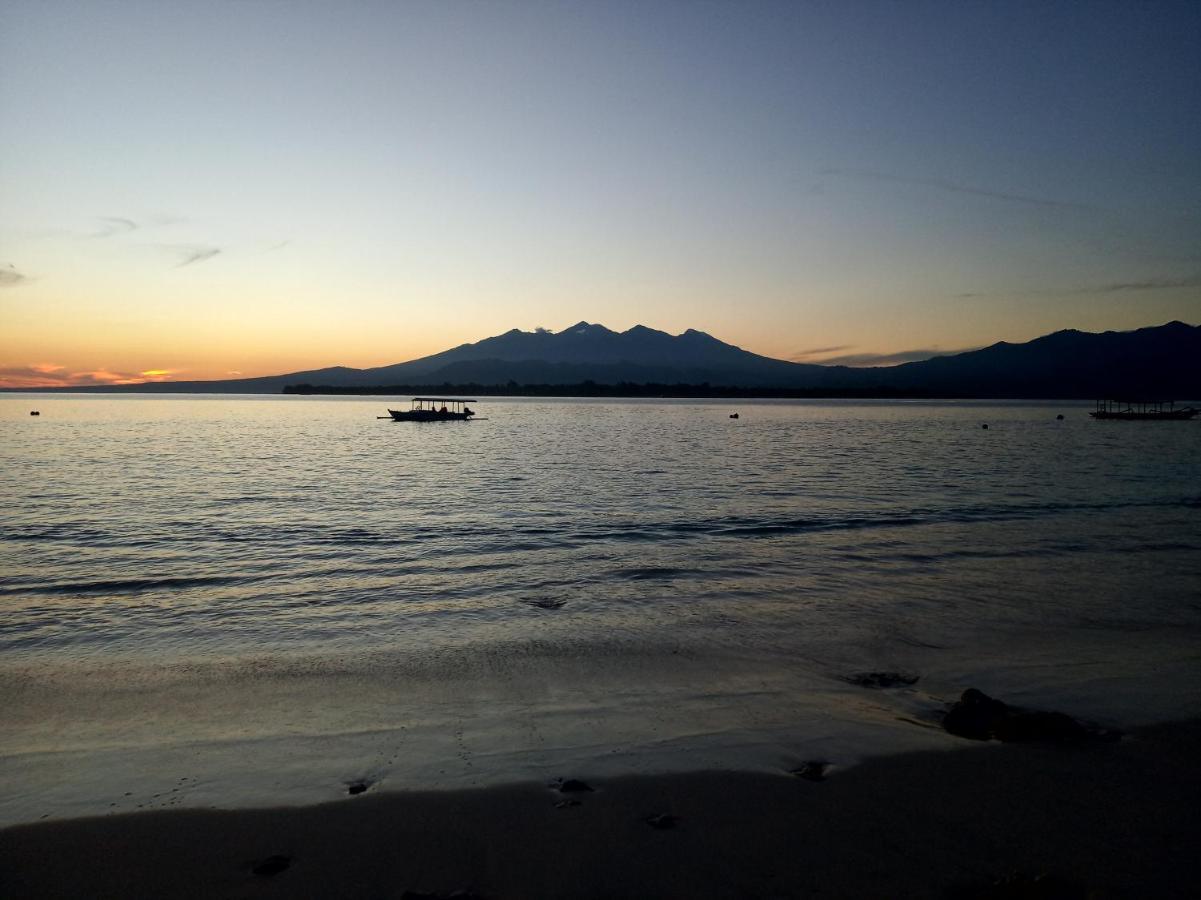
x,y
1132,405
440,400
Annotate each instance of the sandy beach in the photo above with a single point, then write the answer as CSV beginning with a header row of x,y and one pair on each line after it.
x,y
1099,820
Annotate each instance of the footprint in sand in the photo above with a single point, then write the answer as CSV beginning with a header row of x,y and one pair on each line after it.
x,y
571,786
812,770
662,821
272,865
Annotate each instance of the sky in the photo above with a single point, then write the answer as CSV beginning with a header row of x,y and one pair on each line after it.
x,y
213,189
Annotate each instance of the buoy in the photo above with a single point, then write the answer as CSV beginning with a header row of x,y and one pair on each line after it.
x,y
985,426
1059,418
733,415
34,412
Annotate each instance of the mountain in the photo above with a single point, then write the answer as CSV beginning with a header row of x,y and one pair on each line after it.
x,y
586,351
1160,361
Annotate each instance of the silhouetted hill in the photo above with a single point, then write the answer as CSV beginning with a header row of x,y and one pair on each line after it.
x,y
1162,361
1158,361
586,351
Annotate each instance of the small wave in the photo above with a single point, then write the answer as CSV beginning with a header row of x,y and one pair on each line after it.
x,y
652,574
764,527
128,585
742,527
255,498
59,532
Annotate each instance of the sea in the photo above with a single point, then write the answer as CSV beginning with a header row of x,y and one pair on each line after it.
x,y
231,601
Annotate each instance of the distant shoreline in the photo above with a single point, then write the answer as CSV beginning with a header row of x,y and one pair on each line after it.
x,y
590,389
564,391
585,391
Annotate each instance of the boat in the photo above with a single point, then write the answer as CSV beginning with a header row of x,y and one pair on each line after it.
x,y
434,409
1142,410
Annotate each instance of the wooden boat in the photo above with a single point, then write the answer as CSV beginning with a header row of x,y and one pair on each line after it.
x,y
434,409
1142,410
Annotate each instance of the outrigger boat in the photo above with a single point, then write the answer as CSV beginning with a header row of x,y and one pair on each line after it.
x,y
1142,410
434,409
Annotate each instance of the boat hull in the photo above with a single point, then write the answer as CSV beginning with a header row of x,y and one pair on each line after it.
x,y
1170,415
427,415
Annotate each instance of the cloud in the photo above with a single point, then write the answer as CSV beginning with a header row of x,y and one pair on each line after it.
x,y
114,225
1113,287
1149,284
194,254
159,374
103,376
233,372
803,355
28,377
954,188
10,277
50,375
821,356
889,359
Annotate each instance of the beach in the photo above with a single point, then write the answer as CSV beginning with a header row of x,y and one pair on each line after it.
x,y
1096,820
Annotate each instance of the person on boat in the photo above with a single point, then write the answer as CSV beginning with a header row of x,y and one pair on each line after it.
x,y
443,409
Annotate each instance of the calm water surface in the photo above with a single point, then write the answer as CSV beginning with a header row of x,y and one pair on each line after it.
x,y
211,589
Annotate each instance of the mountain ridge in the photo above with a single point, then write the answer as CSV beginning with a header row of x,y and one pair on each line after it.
x,y
1150,361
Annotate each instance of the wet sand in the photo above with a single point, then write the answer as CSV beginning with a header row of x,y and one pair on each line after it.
x,y
1096,821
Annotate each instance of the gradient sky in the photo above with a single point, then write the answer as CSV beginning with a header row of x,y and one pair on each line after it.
x,y
206,188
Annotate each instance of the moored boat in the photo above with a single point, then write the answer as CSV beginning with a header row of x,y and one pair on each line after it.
x,y
434,409
1142,410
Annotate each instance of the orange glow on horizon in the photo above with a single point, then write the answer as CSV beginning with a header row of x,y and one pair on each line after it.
x,y
47,375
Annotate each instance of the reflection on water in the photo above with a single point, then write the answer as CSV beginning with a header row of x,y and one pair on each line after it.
x,y
245,568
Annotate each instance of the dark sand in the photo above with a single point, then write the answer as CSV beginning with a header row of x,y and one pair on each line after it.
x,y
1098,821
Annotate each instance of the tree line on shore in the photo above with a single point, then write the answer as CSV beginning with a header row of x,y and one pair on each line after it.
x,y
620,389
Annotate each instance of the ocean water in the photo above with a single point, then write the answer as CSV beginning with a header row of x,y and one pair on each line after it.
x,y
260,600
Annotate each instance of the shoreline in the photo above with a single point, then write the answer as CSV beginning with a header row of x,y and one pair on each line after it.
x,y
1096,821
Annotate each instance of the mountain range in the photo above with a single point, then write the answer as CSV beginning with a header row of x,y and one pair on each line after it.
x,y
1159,361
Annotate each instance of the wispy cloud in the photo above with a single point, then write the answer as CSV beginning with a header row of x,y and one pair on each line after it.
x,y
831,356
10,277
111,225
1148,284
1113,287
194,254
48,375
859,360
813,352
28,377
955,188
51,375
